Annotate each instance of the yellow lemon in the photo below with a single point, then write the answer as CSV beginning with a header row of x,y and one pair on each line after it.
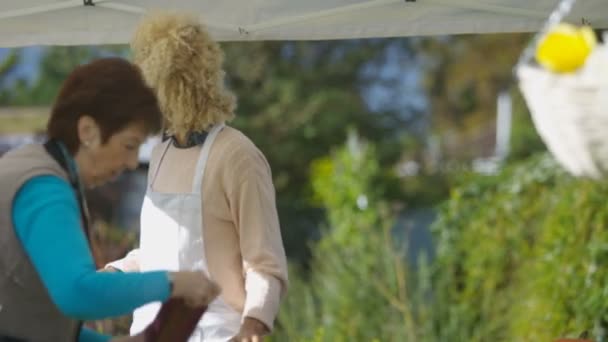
x,y
565,48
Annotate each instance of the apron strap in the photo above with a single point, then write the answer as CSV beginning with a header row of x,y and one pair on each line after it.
x,y
160,161
199,172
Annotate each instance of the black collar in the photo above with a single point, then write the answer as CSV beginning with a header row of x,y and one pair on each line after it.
x,y
194,139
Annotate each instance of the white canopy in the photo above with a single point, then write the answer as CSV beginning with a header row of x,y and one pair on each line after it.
x,y
73,22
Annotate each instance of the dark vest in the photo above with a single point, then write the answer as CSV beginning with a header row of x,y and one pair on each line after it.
x,y
26,309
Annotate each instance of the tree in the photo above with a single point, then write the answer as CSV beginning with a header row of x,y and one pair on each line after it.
x,y
7,66
55,65
296,102
463,76
358,288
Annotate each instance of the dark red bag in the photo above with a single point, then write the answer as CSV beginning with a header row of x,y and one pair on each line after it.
x,y
175,322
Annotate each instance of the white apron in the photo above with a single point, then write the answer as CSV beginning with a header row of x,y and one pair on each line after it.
x,y
172,239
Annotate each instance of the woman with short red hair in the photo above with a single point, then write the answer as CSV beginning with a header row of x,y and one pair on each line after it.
x,y
49,281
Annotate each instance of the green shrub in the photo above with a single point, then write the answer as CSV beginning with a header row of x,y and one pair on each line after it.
x,y
521,256
357,287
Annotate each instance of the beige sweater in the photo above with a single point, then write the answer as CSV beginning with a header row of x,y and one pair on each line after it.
x,y
243,244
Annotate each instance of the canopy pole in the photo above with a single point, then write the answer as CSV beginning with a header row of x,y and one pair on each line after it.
x,y
122,7
463,4
484,7
246,30
320,14
40,9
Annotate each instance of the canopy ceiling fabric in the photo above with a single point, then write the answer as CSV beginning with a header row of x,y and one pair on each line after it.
x,y
71,22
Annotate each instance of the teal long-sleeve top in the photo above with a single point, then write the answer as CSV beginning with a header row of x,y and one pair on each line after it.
x,y
46,218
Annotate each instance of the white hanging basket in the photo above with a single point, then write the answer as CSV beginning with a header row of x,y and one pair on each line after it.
x,y
570,112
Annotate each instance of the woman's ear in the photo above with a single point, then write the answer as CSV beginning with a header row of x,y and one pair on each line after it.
x,y
89,132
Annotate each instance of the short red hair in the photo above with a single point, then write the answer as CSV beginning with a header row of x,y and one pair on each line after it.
x,y
112,92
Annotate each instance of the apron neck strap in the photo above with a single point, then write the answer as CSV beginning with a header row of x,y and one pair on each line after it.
x,y
201,164
160,161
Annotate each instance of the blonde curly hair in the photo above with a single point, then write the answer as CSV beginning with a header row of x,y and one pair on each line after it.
x,y
183,65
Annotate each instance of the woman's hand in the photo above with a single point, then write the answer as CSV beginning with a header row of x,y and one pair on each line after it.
x,y
194,287
252,330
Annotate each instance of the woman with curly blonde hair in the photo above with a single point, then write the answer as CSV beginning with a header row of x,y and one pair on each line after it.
x,y
210,203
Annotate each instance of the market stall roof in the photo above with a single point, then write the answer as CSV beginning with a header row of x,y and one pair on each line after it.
x,y
92,22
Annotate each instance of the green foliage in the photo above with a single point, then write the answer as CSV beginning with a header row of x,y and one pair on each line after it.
x,y
522,256
525,141
462,77
357,288
296,101
55,65
8,64
306,95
